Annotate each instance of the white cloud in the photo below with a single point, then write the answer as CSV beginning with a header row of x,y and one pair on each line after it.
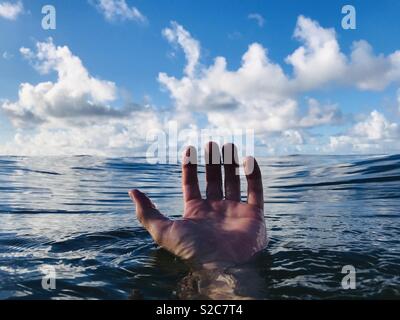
x,y
258,95
26,52
319,59
114,10
261,96
370,71
374,134
11,10
294,137
74,95
235,99
320,115
376,127
258,18
176,34
114,137
77,112
72,115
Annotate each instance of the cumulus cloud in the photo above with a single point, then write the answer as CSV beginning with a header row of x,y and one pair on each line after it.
x,y
125,137
370,71
72,115
75,93
79,112
249,92
11,10
294,137
118,10
319,115
258,95
319,59
375,133
258,18
261,96
176,34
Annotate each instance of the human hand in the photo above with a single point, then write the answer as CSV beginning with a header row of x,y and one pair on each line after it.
x,y
214,232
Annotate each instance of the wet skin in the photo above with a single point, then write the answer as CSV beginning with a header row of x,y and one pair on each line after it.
x,y
216,231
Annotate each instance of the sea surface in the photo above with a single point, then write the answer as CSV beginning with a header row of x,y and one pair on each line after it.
x,y
73,214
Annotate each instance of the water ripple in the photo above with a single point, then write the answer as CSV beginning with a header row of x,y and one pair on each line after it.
x,y
322,212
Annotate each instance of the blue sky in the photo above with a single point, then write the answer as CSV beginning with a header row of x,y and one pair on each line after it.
x,y
349,115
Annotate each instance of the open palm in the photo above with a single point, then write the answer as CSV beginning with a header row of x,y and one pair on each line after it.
x,y
214,232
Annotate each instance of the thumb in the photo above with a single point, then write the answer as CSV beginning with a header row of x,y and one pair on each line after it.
x,y
141,200
152,219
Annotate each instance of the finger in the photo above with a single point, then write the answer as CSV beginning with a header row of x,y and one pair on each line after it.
x,y
231,169
190,182
255,193
155,223
213,172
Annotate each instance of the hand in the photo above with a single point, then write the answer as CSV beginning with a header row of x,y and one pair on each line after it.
x,y
213,232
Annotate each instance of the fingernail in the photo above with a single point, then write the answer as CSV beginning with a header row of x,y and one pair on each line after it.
x,y
249,164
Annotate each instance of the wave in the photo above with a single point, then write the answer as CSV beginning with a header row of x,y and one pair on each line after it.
x,y
74,213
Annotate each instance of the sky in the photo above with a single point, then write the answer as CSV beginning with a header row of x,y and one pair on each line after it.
x,y
114,72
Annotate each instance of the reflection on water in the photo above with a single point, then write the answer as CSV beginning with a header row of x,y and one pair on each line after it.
x,y
74,213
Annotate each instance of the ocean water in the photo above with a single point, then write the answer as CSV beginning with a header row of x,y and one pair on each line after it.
x,y
74,213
